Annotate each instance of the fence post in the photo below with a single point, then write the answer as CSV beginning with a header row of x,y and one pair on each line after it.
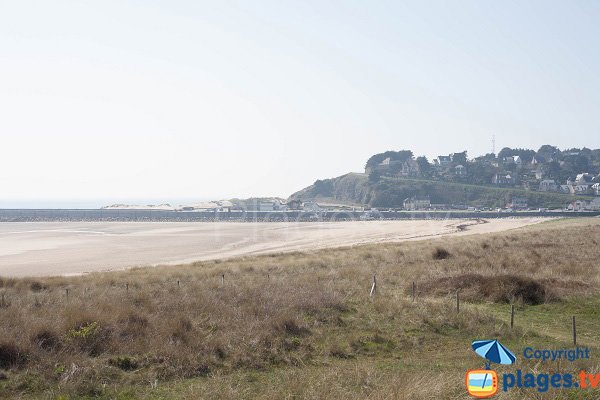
x,y
512,315
178,284
127,287
67,292
457,301
374,287
574,332
223,280
414,291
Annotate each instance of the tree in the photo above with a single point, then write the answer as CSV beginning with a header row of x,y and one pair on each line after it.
x,y
401,156
505,152
548,152
424,165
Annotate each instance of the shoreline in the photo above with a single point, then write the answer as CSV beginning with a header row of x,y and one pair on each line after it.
x,y
29,249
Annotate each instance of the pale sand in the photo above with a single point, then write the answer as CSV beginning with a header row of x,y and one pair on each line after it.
x,y
64,248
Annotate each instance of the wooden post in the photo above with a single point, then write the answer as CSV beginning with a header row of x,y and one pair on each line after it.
x,y
67,292
512,315
127,287
457,301
2,305
374,287
223,280
178,284
574,332
414,291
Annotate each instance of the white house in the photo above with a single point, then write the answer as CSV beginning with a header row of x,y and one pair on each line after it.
x,y
584,179
417,203
581,189
460,170
518,160
444,161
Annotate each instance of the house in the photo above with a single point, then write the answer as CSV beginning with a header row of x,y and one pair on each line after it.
x,y
584,179
566,189
417,203
444,161
581,189
311,206
596,187
501,179
385,162
578,205
548,185
460,170
594,205
536,160
518,161
508,160
410,168
266,206
518,203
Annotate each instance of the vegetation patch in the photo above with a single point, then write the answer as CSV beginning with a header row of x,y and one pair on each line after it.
x,y
440,254
11,356
497,289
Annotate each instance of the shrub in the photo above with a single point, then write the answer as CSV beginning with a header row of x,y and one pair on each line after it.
x,y
36,286
11,356
125,363
440,253
46,339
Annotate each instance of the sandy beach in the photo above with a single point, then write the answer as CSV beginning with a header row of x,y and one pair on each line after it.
x,y
64,248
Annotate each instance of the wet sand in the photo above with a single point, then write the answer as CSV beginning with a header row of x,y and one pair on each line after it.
x,y
64,248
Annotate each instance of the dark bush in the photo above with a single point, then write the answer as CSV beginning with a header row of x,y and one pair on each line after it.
x,y
498,289
36,286
46,340
440,253
11,356
125,363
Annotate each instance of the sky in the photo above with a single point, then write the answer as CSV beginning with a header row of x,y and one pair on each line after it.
x,y
102,101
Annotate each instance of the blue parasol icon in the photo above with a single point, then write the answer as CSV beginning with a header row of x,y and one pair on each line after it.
x,y
493,351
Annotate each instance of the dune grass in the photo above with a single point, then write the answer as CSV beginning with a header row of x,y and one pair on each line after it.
x,y
302,325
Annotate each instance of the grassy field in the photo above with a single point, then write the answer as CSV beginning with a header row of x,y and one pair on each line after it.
x,y
302,325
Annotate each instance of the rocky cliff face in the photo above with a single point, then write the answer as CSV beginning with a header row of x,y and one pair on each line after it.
x,y
347,189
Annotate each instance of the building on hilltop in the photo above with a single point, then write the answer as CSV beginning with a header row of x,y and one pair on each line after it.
x,y
460,170
501,179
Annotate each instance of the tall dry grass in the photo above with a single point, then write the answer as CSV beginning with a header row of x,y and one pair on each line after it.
x,y
161,324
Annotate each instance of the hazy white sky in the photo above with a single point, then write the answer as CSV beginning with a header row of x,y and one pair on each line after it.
x,y
185,99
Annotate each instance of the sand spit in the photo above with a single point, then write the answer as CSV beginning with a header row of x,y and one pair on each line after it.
x,y
64,248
